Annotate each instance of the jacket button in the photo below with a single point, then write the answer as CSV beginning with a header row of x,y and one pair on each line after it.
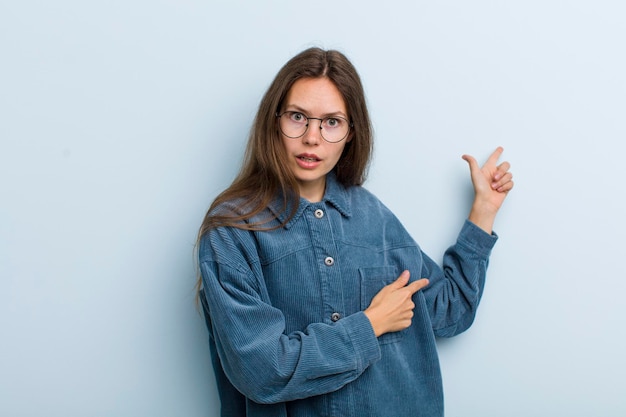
x,y
335,317
329,261
319,213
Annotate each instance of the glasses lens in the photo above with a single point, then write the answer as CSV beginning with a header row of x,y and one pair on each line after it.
x,y
335,129
293,124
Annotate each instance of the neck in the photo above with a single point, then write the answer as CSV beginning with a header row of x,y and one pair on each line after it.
x,y
313,192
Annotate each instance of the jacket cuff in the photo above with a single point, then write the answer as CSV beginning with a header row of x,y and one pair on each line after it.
x,y
476,238
364,341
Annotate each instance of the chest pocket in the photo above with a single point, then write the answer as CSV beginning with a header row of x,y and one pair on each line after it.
x,y
372,281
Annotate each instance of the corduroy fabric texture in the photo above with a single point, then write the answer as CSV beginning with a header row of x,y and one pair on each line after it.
x,y
284,309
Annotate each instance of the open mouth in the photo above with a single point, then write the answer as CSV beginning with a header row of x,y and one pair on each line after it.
x,y
308,159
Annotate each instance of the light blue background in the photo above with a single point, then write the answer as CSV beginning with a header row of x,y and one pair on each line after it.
x,y
120,121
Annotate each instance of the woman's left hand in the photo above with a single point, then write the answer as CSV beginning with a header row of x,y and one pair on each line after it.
x,y
492,183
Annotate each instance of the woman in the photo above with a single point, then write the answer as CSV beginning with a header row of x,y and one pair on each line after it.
x,y
317,300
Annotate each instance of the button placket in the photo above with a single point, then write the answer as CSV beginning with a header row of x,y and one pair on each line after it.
x,y
325,249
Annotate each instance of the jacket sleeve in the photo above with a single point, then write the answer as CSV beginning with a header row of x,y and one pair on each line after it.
x,y
258,357
456,288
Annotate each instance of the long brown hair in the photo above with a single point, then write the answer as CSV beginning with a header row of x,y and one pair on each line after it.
x,y
264,173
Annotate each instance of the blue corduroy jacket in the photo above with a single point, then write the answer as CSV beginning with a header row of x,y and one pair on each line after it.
x,y
284,309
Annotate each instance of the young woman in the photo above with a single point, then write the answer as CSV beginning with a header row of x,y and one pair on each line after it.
x,y
317,300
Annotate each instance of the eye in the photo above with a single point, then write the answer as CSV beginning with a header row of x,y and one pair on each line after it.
x,y
333,122
297,117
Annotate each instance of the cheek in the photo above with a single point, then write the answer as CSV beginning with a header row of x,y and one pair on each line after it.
x,y
286,143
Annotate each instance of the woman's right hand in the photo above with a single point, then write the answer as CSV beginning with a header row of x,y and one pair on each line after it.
x,y
391,310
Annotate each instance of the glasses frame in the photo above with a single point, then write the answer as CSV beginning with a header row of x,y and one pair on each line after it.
x,y
308,120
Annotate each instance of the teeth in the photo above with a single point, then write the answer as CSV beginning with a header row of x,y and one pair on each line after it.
x,y
308,159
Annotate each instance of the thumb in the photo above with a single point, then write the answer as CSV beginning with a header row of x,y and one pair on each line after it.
x,y
471,161
402,280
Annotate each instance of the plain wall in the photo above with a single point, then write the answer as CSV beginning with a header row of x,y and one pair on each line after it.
x,y
120,121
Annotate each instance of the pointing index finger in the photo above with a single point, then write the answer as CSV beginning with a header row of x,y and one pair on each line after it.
x,y
493,158
415,286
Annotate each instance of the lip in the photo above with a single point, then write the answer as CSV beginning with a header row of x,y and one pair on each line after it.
x,y
308,160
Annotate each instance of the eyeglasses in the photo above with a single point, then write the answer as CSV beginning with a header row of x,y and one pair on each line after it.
x,y
294,124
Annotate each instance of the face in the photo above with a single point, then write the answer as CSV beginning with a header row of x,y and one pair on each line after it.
x,y
310,157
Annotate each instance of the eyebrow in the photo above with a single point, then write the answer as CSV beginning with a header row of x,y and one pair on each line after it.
x,y
295,107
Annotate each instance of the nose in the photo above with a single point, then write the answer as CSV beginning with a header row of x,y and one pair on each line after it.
x,y
313,134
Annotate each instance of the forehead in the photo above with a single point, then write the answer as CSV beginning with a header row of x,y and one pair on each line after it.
x,y
316,96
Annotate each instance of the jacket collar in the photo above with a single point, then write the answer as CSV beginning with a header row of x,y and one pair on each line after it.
x,y
335,194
